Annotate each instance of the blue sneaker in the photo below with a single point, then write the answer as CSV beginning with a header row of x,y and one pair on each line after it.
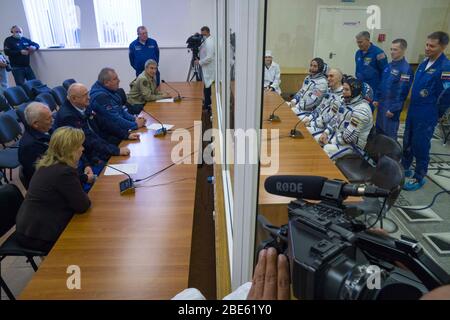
x,y
409,173
413,185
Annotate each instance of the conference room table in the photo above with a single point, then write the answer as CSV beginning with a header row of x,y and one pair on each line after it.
x,y
295,157
133,246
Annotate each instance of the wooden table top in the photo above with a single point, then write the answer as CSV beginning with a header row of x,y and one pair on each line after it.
x,y
135,246
296,156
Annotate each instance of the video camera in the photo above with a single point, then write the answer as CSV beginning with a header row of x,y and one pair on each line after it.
x,y
194,42
335,256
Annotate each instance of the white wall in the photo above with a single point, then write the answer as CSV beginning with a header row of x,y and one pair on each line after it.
x,y
170,22
291,26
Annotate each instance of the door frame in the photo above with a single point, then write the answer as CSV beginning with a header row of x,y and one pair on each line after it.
x,y
316,31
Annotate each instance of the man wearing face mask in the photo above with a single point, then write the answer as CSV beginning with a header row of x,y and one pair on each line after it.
x,y
207,58
314,87
19,49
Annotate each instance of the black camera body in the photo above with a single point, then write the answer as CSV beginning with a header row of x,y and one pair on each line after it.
x,y
333,256
194,42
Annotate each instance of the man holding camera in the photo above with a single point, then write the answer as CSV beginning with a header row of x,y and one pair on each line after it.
x,y
19,49
4,66
207,58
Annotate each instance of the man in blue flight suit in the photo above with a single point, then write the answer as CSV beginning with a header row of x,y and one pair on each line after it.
x,y
19,49
143,49
108,104
396,81
432,78
370,62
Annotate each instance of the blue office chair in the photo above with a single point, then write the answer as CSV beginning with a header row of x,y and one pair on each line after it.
x,y
29,85
16,96
67,83
60,94
48,100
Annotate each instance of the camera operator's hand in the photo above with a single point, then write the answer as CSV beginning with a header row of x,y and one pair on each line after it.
x,y
197,62
441,293
271,277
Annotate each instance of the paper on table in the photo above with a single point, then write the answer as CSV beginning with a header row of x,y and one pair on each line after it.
x,y
157,126
130,168
165,100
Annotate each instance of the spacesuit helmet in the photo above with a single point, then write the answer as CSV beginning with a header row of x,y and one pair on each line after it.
x,y
356,87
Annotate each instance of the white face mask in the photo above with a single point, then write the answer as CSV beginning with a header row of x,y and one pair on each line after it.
x,y
17,35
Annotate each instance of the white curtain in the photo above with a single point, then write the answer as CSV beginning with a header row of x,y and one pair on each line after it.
x,y
117,21
53,22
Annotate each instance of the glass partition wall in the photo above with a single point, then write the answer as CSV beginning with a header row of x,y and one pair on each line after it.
x,y
369,128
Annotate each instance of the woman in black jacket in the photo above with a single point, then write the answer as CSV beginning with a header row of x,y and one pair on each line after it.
x,y
55,192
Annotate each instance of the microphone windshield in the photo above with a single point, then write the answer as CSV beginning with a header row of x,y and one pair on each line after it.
x,y
299,187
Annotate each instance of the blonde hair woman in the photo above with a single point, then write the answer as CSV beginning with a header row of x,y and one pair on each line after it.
x,y
55,192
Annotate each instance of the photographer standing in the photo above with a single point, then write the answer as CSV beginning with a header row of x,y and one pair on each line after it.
x,y
19,49
207,62
3,75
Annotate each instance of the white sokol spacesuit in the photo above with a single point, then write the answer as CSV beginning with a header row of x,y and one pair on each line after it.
x,y
353,125
309,97
323,114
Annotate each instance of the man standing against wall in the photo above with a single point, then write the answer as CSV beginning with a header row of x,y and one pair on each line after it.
x,y
143,49
396,81
207,58
19,49
432,78
370,62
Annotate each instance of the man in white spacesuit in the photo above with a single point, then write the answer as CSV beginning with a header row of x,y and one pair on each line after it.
x,y
271,74
352,136
317,121
314,87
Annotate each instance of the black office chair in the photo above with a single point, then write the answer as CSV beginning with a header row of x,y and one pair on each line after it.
x,y
60,94
389,175
67,83
48,100
16,96
359,170
10,201
29,85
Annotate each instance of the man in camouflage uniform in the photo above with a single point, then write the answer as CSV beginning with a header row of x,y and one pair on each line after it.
x,y
144,88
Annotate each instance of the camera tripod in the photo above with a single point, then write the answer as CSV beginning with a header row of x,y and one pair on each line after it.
x,y
195,70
